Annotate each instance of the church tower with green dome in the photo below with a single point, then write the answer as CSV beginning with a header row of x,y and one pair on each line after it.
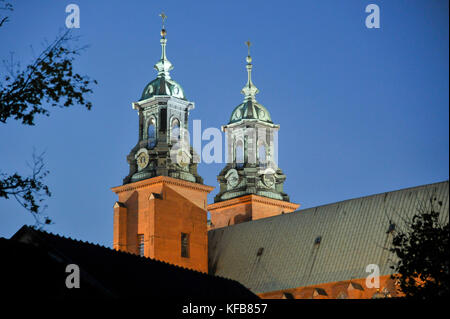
x,y
251,183
251,166
163,122
161,208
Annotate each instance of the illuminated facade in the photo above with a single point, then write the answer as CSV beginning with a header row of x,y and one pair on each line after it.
x,y
256,236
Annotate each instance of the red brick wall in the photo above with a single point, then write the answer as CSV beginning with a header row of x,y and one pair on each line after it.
x,y
246,208
162,220
354,289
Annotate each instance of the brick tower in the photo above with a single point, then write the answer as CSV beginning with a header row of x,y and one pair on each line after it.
x,y
251,183
161,211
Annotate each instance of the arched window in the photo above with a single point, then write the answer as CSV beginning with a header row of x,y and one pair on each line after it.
x,y
175,130
151,133
262,156
239,153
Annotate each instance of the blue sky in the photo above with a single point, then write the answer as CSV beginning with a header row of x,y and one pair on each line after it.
x,y
361,111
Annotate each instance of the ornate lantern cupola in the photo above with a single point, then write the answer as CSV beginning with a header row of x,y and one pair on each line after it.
x,y
251,168
163,84
163,120
250,108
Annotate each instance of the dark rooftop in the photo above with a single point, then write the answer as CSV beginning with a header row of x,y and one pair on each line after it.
x,y
34,263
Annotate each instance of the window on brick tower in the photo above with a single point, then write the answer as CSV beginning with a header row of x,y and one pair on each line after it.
x,y
184,245
141,245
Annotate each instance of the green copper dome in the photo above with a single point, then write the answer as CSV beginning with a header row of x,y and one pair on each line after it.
x,y
250,110
163,86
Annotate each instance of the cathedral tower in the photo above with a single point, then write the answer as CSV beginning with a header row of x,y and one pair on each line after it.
x,y
251,183
161,211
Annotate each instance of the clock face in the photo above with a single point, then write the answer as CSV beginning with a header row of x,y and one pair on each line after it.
x,y
142,160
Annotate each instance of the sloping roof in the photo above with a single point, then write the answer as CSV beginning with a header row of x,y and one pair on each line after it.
x,y
323,244
38,259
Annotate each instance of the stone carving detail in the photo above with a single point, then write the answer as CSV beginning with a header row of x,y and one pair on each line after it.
x,y
269,180
232,178
183,159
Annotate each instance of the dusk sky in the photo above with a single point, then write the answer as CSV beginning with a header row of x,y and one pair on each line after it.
x,y
361,111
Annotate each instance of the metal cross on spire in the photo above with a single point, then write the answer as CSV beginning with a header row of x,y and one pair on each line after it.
x,y
163,65
163,18
163,30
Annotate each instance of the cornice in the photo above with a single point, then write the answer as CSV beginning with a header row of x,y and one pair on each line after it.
x,y
252,198
160,180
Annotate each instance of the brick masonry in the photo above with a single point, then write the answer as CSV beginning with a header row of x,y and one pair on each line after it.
x,y
161,208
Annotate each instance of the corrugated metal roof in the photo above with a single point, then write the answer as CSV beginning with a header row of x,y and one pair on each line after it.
x,y
354,233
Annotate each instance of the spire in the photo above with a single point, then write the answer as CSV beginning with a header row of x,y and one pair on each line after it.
x,y
163,66
249,90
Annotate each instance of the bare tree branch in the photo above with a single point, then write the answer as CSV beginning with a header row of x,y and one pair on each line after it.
x,y
48,81
6,7
50,78
30,191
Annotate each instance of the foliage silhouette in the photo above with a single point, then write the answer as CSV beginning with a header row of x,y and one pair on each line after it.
x,y
422,270
48,81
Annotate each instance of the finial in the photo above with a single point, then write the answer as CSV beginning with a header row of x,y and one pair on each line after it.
x,y
249,58
163,29
163,65
249,90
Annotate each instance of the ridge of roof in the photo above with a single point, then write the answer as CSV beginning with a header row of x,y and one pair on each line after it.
x,y
304,210
118,252
371,195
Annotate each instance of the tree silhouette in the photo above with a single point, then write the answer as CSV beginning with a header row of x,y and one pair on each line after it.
x,y
422,270
48,81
